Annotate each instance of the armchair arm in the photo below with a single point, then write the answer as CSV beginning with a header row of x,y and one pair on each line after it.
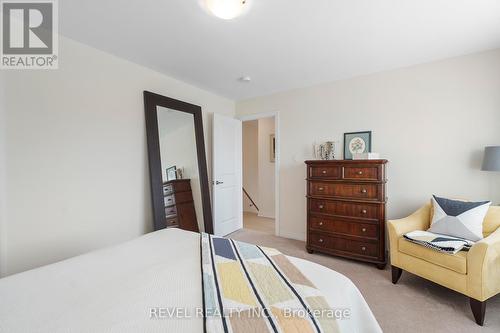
x,y
419,220
483,268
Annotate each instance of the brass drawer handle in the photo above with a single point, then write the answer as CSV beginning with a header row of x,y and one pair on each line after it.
x,y
320,224
364,211
364,229
360,173
321,240
320,188
363,190
363,248
321,206
323,172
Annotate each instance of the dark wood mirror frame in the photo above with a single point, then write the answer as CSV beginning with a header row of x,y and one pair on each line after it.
x,y
151,102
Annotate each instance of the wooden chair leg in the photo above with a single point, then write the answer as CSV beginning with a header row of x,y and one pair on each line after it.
x,y
478,310
396,274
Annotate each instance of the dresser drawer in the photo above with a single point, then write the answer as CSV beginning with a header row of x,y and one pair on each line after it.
x,y
346,209
359,229
328,242
331,243
347,191
172,221
364,248
170,211
168,189
330,172
329,225
365,230
169,200
176,186
362,173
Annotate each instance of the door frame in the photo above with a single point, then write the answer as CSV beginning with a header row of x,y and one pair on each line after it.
x,y
257,116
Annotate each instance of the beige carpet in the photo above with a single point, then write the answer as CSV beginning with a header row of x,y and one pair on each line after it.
x,y
413,305
257,223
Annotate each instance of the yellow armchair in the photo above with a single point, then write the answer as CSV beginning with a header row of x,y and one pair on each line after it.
x,y
475,273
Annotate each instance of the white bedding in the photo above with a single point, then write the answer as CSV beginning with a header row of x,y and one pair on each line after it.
x,y
115,290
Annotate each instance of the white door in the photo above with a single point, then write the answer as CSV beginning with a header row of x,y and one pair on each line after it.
x,y
227,175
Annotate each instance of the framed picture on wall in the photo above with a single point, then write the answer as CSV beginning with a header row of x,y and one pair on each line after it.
x,y
357,143
171,173
272,143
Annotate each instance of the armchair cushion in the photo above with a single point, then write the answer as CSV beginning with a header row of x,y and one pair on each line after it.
x,y
455,262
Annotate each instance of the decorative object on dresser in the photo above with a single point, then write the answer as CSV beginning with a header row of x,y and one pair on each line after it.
x,y
325,151
366,156
346,209
179,173
357,143
179,205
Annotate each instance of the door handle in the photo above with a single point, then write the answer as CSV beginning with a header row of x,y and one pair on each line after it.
x,y
218,182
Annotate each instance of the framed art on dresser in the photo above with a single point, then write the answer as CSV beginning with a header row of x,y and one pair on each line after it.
x,y
357,143
172,173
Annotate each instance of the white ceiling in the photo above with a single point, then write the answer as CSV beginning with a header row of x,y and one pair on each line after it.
x,y
282,44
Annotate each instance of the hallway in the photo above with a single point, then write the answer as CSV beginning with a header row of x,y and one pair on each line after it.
x,y
254,222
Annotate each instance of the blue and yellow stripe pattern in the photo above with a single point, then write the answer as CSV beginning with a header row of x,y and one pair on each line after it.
x,y
247,288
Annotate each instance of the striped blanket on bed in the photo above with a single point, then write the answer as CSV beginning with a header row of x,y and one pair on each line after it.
x,y
441,243
247,289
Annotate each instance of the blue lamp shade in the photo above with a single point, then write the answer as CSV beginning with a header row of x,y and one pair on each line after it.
x,y
491,161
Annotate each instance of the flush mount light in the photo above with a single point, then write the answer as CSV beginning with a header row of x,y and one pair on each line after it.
x,y
245,79
226,9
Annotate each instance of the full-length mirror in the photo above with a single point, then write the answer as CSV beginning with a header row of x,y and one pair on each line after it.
x,y
178,171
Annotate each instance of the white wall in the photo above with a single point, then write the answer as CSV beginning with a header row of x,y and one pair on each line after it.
x,y
250,138
266,169
77,172
2,176
431,121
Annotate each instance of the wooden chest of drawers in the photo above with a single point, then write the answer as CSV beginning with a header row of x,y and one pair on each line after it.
x,y
346,209
179,205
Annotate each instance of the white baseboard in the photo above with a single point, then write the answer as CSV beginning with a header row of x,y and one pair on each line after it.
x,y
266,215
292,235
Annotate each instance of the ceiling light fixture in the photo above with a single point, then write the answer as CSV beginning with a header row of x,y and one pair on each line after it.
x,y
245,79
226,9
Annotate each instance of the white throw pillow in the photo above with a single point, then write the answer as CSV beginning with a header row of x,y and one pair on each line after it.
x,y
456,218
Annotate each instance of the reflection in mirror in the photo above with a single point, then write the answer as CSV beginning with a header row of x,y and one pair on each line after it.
x,y
179,168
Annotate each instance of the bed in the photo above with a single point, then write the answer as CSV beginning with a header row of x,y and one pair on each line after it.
x,y
134,286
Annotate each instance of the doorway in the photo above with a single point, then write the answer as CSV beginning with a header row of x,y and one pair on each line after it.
x,y
260,173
